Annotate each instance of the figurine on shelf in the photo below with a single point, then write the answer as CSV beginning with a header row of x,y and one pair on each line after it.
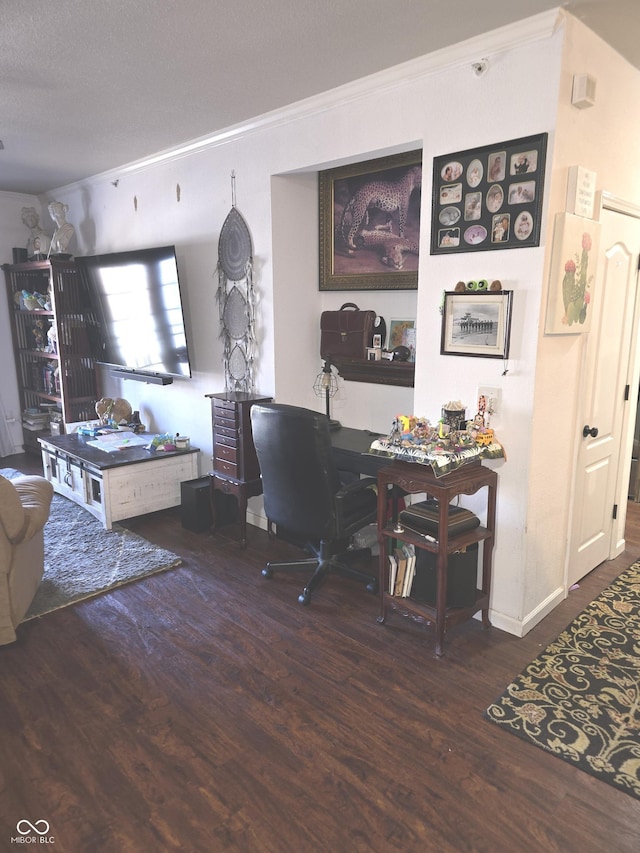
x,y
38,334
39,241
52,340
64,230
49,379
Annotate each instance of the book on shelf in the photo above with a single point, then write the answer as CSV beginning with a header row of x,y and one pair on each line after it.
x,y
401,560
393,571
402,569
410,570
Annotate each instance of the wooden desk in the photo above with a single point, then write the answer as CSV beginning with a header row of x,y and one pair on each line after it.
x,y
350,447
413,478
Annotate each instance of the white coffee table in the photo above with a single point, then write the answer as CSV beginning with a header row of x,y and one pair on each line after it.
x,y
114,486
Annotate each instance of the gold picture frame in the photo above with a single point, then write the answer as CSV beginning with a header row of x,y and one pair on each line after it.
x,y
370,224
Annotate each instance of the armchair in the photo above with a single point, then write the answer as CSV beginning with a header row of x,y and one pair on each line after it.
x,y
24,509
304,495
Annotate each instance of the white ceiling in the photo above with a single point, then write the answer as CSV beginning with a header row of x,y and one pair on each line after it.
x,y
90,85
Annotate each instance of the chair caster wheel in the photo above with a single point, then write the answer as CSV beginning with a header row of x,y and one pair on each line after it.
x,y
372,587
267,572
304,597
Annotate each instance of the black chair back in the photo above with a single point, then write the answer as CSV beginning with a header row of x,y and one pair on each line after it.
x,y
299,477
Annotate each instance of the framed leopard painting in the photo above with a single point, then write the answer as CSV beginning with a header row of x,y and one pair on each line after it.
x,y
370,224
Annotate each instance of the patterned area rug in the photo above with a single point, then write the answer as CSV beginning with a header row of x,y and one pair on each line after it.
x,y
82,559
580,699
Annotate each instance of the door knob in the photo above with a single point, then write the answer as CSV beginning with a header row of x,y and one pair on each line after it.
x,y
592,431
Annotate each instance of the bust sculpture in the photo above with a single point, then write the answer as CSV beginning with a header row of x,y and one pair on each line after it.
x,y
64,230
39,241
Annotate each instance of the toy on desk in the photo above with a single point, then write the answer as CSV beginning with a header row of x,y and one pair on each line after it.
x,y
162,442
479,428
407,429
414,439
88,429
485,438
450,435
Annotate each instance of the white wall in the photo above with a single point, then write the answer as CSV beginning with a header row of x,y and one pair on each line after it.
x,y
436,103
603,138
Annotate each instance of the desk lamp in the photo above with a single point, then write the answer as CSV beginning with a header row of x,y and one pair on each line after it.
x,y
326,385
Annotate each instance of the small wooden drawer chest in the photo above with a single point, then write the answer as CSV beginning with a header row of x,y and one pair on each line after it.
x,y
235,464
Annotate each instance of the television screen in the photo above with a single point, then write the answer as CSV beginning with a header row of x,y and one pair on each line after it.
x,y
137,299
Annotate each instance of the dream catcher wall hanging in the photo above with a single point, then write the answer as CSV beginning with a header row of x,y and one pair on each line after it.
x,y
236,300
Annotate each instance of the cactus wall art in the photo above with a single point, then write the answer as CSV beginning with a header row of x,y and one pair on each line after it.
x,y
572,275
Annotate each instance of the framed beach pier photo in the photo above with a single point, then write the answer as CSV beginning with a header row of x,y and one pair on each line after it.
x,y
476,324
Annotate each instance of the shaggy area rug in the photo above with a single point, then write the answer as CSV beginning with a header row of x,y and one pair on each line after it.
x,y
580,699
82,559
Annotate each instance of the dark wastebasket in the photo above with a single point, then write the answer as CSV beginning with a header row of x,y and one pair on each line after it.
x,y
462,571
195,505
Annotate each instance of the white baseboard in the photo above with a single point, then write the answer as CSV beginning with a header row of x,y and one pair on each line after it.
x,y
256,519
519,628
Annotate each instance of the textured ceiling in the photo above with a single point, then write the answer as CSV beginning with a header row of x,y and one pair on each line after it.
x,y
89,85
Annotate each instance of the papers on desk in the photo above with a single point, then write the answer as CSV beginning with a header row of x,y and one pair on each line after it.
x,y
119,440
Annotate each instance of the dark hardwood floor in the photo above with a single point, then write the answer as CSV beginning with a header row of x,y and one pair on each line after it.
x,y
204,709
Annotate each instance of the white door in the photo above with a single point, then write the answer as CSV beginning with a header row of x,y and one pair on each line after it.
x,y
606,371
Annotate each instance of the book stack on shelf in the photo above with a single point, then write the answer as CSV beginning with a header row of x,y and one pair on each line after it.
x,y
35,420
402,570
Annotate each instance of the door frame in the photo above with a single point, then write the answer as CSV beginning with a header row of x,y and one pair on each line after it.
x,y
608,201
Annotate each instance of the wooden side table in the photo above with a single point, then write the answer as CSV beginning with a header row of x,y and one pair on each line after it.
x,y
413,478
235,463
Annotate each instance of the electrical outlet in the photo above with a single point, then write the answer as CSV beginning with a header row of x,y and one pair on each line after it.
x,y
493,398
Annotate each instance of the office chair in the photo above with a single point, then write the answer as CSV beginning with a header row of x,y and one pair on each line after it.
x,y
304,495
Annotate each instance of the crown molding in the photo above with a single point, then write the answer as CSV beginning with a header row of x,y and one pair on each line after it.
x,y
510,37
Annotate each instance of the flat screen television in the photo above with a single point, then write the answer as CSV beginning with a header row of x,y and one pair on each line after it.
x,y
137,300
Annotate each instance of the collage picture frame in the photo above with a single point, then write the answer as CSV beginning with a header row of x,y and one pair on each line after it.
x,y
489,198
